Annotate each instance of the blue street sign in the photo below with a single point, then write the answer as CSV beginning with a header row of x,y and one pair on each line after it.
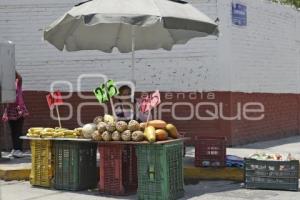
x,y
239,14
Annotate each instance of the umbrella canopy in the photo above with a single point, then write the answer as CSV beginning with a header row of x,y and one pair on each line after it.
x,y
128,25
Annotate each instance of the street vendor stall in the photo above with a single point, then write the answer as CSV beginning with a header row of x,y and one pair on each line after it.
x,y
65,159
128,26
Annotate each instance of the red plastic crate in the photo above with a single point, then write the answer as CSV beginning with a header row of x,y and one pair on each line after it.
x,y
210,151
118,169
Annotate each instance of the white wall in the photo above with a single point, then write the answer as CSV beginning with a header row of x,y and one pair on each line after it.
x,y
264,54
185,68
261,57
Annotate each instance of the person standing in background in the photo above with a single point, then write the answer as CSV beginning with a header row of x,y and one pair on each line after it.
x,y
126,109
15,114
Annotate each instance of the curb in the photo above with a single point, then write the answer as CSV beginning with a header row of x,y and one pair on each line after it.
x,y
209,173
190,172
13,173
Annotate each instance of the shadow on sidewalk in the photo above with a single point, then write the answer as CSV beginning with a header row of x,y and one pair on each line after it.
x,y
204,187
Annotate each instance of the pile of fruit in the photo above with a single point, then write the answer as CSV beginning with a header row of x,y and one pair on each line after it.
x,y
54,132
268,156
108,129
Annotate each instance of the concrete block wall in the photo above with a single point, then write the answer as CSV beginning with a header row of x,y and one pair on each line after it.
x,y
264,68
22,21
259,62
265,54
281,117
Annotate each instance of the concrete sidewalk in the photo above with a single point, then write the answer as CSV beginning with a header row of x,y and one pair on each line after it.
x,y
198,189
19,169
15,168
281,146
204,190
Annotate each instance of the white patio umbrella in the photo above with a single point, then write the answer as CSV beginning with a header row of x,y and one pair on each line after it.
x,y
128,25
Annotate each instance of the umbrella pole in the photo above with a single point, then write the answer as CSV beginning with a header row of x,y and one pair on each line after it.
x,y
133,52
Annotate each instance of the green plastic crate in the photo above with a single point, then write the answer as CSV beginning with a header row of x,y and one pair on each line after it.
x,y
75,165
160,171
266,174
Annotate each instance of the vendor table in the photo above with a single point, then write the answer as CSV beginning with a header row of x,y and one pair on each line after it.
x,y
157,168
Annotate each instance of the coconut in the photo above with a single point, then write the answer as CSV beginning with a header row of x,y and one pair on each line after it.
x,y
126,135
106,136
111,127
133,125
143,126
109,118
137,136
96,136
116,136
88,130
98,119
101,126
121,126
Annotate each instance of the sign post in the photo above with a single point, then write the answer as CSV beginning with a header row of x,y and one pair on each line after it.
x,y
58,116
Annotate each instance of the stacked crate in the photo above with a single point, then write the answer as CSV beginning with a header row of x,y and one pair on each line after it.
x,y
269,174
75,165
160,171
118,169
42,169
210,151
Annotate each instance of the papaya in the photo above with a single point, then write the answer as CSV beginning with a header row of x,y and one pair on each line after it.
x,y
159,124
161,134
172,130
150,134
